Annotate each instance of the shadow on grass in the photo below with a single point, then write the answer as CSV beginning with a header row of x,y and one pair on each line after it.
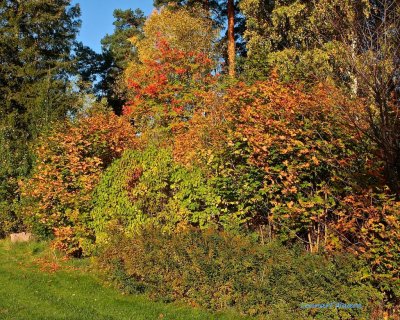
x,y
38,284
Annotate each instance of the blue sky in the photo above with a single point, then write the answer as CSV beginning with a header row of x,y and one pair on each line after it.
x,y
97,18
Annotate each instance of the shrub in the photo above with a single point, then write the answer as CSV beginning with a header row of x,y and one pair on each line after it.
x,y
149,185
9,220
308,156
218,270
374,225
70,160
322,182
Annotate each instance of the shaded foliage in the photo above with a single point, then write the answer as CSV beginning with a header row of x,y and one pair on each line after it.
x,y
218,270
36,38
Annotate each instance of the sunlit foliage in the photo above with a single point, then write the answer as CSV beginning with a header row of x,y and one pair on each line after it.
x,y
69,163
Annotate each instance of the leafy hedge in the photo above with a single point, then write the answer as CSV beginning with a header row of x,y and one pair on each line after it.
x,y
149,185
218,270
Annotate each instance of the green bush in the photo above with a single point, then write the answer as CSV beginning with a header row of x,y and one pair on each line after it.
x,y
148,185
218,270
9,220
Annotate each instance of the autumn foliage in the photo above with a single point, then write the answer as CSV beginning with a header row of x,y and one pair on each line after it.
x,y
165,91
320,184
70,161
201,159
298,139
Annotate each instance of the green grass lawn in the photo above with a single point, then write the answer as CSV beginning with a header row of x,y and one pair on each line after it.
x,y
72,292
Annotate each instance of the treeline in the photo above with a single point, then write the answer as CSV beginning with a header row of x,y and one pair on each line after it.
x,y
224,129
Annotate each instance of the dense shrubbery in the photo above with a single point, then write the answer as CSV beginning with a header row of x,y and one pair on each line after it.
x,y
9,220
372,222
70,160
149,186
195,152
297,138
321,183
219,270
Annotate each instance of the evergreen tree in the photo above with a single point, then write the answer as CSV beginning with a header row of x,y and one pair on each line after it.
x,y
118,51
36,38
299,38
280,35
89,65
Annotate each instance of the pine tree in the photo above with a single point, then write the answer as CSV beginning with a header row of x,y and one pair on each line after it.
x,y
231,38
118,51
36,38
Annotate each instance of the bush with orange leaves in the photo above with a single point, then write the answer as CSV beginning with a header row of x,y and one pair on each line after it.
x,y
322,181
206,133
300,140
69,163
369,223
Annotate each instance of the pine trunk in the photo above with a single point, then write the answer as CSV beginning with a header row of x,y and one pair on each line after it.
x,y
231,38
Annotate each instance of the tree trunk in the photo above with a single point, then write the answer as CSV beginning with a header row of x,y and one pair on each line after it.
x,y
231,38
353,76
206,5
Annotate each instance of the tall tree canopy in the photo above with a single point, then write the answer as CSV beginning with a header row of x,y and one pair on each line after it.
x,y
176,58
118,51
36,38
225,14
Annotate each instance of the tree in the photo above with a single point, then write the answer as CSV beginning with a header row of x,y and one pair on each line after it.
x,y
354,42
225,14
183,29
231,38
206,4
371,56
297,38
36,38
36,42
365,35
176,58
89,66
117,52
